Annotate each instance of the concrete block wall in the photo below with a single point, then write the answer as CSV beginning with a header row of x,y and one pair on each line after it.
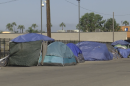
x,y
87,36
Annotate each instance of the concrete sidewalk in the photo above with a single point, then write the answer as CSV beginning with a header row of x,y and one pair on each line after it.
x,y
96,73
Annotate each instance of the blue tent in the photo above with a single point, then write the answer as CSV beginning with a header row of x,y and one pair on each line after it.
x,y
58,53
77,52
93,51
31,37
121,42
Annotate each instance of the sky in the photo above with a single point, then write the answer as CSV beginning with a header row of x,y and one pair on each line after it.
x,y
27,12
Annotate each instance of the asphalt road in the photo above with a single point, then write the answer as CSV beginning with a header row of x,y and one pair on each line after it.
x,y
97,73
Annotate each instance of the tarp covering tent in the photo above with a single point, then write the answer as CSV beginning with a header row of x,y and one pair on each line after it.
x,y
122,47
93,51
121,42
25,49
59,53
76,51
124,52
31,37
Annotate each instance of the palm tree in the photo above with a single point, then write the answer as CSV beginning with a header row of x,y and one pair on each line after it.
x,y
9,27
126,23
34,26
62,25
22,27
14,24
19,27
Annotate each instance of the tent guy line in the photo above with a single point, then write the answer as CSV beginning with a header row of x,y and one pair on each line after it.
x,y
8,1
95,11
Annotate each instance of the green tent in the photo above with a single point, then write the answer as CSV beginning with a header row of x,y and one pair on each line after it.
x,y
26,49
24,54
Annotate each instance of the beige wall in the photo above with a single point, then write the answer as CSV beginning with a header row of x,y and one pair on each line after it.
x,y
94,36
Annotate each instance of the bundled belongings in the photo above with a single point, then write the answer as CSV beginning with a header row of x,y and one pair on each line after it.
x,y
116,55
59,54
25,49
3,61
122,47
93,51
113,50
120,44
77,52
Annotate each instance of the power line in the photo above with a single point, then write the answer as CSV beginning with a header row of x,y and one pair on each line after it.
x,y
94,11
8,2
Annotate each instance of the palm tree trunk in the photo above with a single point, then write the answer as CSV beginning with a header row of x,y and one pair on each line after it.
x,y
14,29
62,27
22,30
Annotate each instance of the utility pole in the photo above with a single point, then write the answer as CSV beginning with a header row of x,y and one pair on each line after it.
x,y
79,17
113,26
48,18
41,17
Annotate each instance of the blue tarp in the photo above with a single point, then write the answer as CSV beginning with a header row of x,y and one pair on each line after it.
x,y
124,52
74,49
31,37
93,51
121,42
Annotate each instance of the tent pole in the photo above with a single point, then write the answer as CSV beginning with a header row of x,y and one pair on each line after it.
x,y
44,50
42,53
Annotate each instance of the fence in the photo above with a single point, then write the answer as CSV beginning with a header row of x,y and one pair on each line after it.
x,y
4,45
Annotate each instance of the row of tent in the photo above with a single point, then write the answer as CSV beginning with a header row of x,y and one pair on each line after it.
x,y
34,49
